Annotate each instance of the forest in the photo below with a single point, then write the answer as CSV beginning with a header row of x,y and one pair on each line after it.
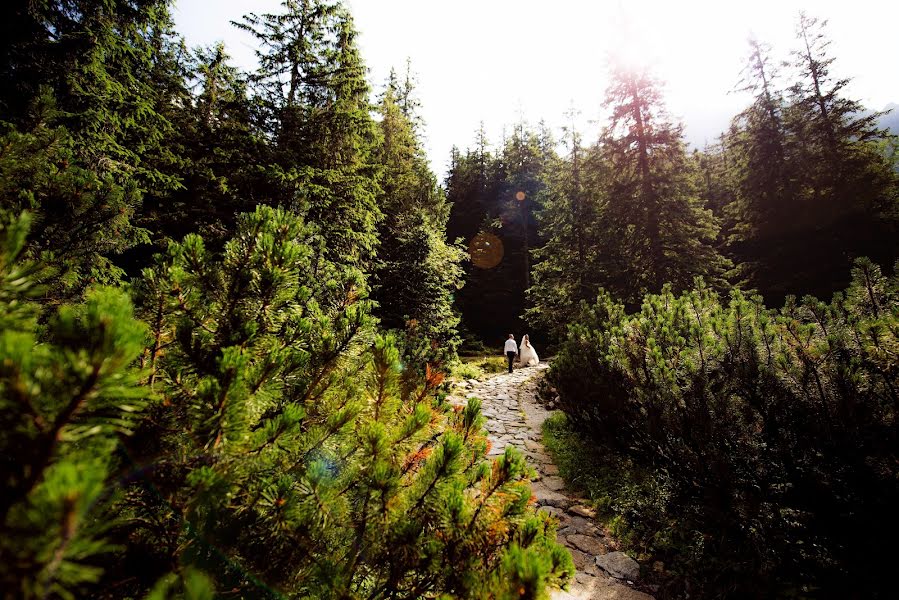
x,y
233,305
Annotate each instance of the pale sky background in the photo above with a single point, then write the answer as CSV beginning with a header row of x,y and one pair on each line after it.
x,y
497,61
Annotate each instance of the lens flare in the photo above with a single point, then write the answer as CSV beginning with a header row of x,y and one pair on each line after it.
x,y
519,196
486,250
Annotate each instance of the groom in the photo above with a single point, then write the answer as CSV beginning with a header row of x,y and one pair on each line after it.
x,y
511,350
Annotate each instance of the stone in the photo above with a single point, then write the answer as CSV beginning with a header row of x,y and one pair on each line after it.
x,y
583,511
580,559
582,526
554,483
618,565
583,577
547,497
592,569
549,469
552,510
588,544
532,445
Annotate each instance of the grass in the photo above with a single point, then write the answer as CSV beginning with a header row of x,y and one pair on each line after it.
x,y
477,367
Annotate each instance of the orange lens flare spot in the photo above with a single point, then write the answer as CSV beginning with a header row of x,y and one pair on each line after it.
x,y
519,196
486,250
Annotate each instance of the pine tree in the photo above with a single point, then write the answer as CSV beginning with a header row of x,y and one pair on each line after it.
x,y
468,188
67,393
294,453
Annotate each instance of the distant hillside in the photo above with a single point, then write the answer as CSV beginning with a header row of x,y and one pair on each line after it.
x,y
702,127
891,119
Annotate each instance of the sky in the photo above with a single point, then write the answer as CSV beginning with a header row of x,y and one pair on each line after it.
x,y
499,61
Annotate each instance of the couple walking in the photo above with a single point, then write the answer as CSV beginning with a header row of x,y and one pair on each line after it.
x,y
527,354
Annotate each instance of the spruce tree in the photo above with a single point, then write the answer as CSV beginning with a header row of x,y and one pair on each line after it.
x,y
87,90
417,269
569,265
224,154
656,228
847,207
766,187
495,200
312,83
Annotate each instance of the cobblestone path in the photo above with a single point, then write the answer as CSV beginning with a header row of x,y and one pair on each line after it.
x,y
513,417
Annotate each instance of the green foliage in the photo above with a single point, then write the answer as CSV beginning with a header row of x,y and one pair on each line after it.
x,y
223,152
499,193
288,451
632,500
417,271
655,227
803,180
88,91
571,263
768,424
66,394
477,367
625,215
82,215
257,435
319,120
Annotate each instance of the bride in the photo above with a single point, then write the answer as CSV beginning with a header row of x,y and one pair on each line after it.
x,y
527,354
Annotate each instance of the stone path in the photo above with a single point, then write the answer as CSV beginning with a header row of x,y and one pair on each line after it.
x,y
513,417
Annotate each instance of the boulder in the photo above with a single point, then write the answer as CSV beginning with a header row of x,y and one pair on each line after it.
x,y
547,497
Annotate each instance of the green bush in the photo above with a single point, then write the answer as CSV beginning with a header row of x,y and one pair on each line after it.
x,y
68,391
270,444
776,430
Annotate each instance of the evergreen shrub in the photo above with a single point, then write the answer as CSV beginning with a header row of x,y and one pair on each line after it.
x,y
776,430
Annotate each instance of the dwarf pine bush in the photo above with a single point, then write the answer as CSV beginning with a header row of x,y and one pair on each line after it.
x,y
777,429
255,436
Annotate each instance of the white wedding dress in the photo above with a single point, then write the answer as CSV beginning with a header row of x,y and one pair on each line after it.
x,y
528,356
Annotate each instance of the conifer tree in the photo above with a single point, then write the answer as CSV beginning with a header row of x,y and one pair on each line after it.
x,y
766,187
499,195
224,152
87,93
469,187
82,216
569,265
67,393
417,270
656,228
296,462
850,190
312,81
